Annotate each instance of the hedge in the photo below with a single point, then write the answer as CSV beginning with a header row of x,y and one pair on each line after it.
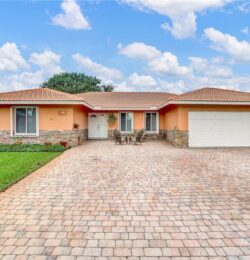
x,y
31,148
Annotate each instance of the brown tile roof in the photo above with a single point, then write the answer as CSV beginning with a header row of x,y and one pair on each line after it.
x,y
122,100
126,100
214,95
38,94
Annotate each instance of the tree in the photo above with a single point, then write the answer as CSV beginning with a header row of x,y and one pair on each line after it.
x,y
74,83
107,87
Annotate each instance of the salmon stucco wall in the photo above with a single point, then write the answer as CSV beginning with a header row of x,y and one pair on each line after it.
x,y
184,109
80,116
161,121
138,120
171,118
4,118
55,117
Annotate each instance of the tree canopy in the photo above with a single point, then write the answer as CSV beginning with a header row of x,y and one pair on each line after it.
x,y
74,83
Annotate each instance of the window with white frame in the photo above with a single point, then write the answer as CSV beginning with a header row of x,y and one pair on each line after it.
x,y
25,121
151,121
126,121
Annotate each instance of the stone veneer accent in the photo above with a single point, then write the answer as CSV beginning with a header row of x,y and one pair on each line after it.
x,y
177,137
73,137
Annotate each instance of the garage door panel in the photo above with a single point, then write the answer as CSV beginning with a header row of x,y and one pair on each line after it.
x,y
218,115
219,129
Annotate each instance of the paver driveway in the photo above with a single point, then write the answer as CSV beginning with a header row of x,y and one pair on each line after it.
x,y
105,200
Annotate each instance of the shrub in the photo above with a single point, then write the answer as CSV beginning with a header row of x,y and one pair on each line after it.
x,y
31,148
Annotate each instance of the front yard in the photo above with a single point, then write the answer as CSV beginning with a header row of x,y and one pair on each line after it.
x,y
16,165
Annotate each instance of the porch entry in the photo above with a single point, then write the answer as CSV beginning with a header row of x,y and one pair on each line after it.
x,y
97,126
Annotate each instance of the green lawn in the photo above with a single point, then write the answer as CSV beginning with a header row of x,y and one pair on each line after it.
x,y
16,165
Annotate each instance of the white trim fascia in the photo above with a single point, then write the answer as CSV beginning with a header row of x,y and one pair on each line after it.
x,y
171,103
203,103
209,103
44,103
125,109
11,121
37,121
37,103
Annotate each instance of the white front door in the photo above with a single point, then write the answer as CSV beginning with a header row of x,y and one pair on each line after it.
x,y
219,129
98,126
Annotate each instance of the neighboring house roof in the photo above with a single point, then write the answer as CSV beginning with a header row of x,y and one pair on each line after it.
x,y
126,100
38,96
214,95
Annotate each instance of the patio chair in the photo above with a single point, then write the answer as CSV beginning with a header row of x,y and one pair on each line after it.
x,y
118,136
139,136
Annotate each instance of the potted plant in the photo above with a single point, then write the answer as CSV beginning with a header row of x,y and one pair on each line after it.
x,y
75,126
64,143
111,119
17,140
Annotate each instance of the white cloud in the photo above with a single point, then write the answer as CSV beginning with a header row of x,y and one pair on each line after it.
x,y
48,64
160,62
139,50
47,60
182,27
11,58
238,50
177,87
217,60
168,64
25,80
105,73
123,87
162,85
245,30
71,17
236,82
181,13
212,72
244,7
194,81
142,80
211,68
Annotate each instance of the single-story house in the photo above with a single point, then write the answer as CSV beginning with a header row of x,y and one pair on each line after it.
x,y
207,117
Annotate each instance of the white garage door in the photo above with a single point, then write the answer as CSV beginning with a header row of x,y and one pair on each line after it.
x,y
219,129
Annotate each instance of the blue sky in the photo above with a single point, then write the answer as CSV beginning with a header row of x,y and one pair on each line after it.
x,y
137,45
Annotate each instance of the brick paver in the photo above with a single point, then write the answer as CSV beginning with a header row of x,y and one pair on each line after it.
x,y
154,201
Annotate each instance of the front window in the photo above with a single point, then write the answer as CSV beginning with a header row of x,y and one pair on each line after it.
x,y
25,121
151,122
126,122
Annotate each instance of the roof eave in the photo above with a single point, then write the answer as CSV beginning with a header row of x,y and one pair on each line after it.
x,y
124,109
194,102
44,102
95,108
